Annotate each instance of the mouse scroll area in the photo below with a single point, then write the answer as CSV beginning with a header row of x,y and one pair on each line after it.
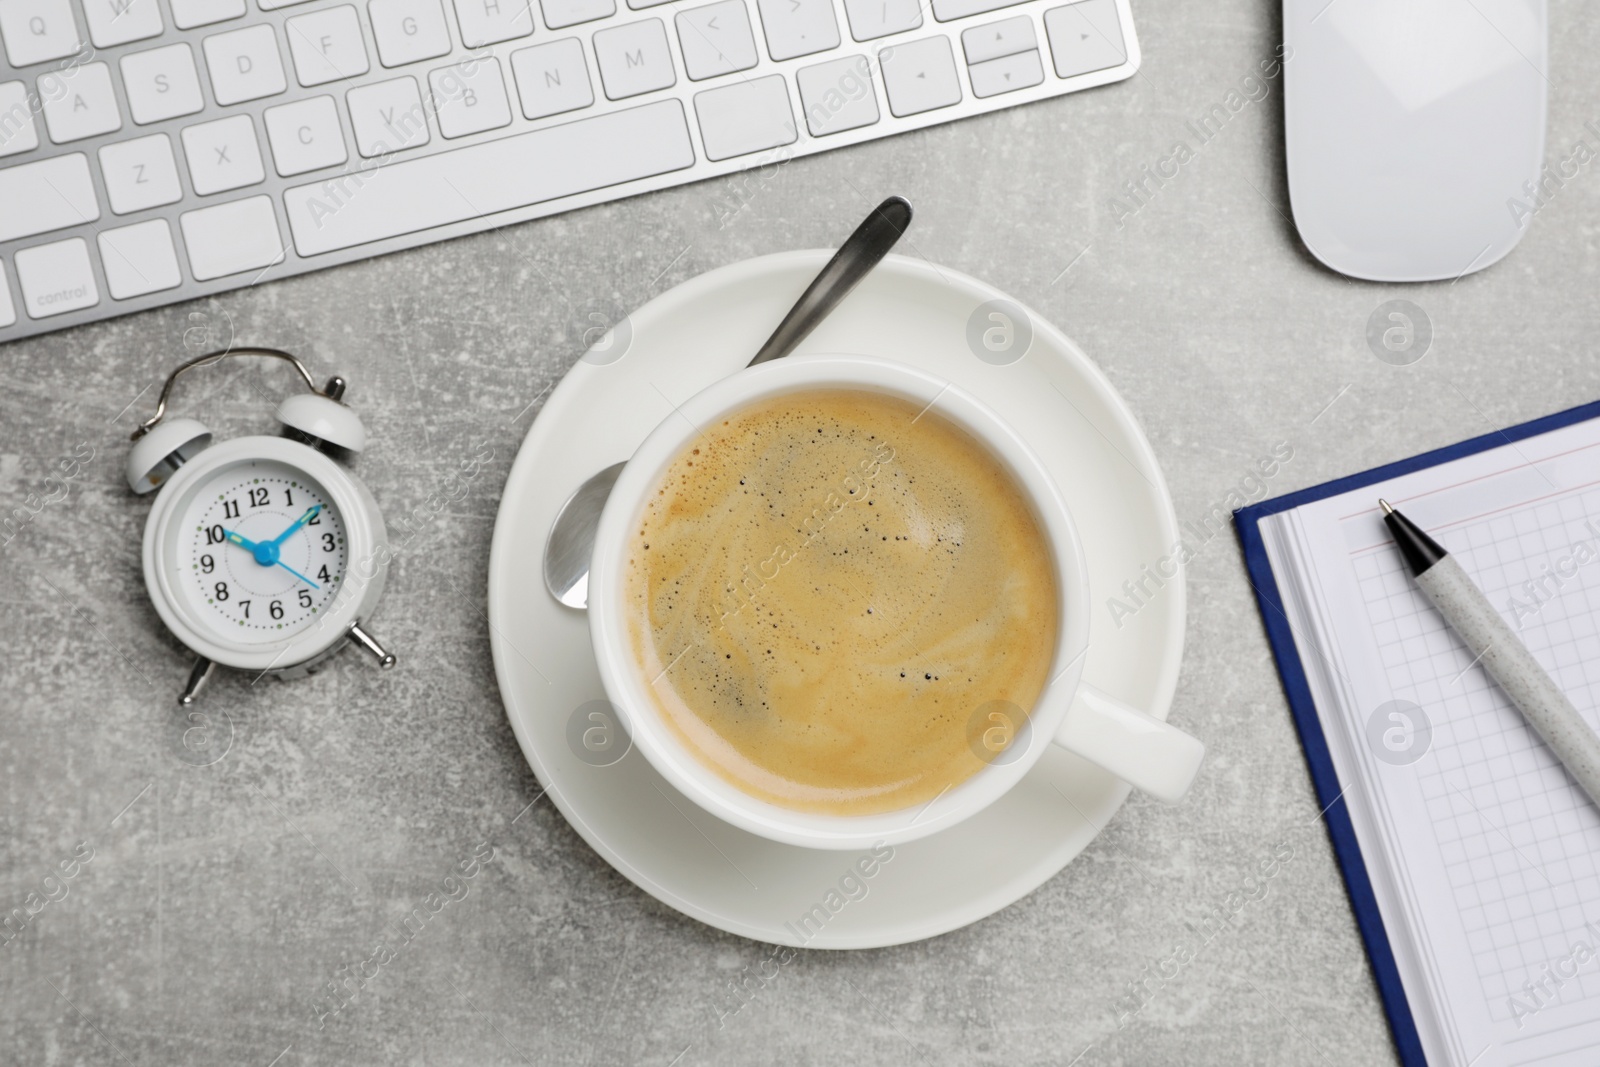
x,y
1414,131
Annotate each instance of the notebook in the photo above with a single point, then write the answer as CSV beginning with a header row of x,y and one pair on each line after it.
x,y
1471,858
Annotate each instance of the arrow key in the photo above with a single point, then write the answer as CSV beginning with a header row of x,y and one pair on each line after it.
x,y
1006,74
920,76
1085,37
1004,38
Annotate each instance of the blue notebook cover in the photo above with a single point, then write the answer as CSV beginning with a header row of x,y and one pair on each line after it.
x,y
1329,792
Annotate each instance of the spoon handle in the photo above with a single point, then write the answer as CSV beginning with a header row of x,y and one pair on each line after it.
x,y
860,252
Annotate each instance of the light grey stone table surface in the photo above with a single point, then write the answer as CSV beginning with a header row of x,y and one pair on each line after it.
x,y
221,899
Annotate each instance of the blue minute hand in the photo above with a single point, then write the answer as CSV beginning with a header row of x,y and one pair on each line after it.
x,y
266,552
310,514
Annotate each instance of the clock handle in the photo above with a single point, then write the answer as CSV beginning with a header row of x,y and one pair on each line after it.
x,y
197,680
368,642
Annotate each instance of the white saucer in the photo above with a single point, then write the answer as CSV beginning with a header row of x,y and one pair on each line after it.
x,y
682,341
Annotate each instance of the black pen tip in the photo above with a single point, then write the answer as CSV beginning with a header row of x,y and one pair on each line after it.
x,y
1420,550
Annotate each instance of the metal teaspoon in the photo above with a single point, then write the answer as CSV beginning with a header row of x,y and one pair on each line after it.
x,y
571,542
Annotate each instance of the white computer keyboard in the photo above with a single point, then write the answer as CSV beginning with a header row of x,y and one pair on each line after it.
x,y
157,150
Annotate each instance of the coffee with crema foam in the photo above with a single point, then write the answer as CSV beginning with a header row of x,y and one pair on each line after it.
x,y
826,590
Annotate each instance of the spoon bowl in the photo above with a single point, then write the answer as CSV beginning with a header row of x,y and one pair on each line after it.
x,y
566,557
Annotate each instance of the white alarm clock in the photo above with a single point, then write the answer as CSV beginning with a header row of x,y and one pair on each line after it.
x,y
264,554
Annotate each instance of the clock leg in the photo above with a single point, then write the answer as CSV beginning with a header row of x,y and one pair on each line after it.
x,y
197,680
368,642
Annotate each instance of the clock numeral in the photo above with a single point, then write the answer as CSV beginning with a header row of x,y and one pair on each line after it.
x,y
221,591
316,520
207,564
305,596
230,509
275,609
214,535
327,542
259,497
288,497
322,575
246,605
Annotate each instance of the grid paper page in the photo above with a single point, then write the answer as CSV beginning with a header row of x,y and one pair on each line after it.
x,y
1483,852
1517,835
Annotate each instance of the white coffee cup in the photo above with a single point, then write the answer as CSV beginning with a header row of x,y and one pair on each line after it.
x,y
1135,746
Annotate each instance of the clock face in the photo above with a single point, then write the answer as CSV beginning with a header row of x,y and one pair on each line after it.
x,y
261,550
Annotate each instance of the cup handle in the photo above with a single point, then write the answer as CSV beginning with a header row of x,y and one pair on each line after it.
x,y
1138,748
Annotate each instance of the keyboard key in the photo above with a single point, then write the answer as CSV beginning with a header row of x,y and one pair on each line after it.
x,y
745,117
878,18
469,97
559,14
244,65
1085,37
326,46
140,174
1004,38
1006,74
945,10
191,13
798,27
485,22
231,238
499,175
56,278
79,102
114,22
46,195
305,135
161,83
273,5
837,96
408,30
223,155
552,78
38,30
8,311
640,5
17,132
920,76
388,117
139,259
634,59
716,39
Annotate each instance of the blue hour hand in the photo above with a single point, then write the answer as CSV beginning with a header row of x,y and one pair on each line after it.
x,y
266,552
243,542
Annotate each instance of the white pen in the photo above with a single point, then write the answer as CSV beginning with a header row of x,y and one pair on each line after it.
x,y
1506,658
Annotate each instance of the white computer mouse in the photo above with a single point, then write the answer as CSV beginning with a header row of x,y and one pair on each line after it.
x,y
1414,131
